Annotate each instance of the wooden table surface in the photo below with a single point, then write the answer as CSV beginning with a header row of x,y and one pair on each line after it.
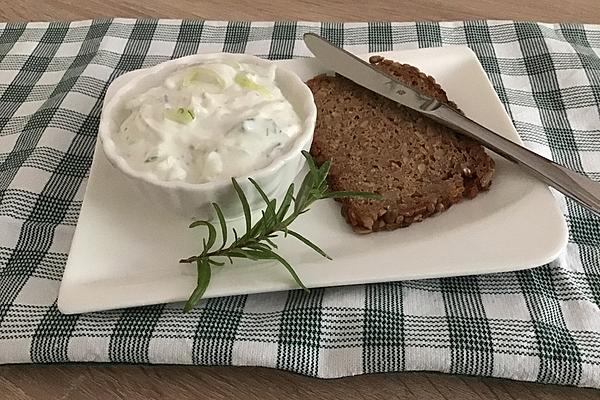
x,y
86,381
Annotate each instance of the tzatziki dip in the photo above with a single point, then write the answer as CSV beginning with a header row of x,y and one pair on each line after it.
x,y
208,121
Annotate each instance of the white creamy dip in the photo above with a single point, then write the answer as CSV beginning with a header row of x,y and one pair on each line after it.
x,y
206,122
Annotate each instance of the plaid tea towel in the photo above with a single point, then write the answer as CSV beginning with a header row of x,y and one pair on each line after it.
x,y
537,325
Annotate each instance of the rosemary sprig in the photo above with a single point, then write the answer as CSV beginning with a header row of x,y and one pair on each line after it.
x,y
256,243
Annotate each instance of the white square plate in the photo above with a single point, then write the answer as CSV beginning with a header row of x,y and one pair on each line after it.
x,y
125,251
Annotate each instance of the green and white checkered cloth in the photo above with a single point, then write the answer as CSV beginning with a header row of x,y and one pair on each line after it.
x,y
537,325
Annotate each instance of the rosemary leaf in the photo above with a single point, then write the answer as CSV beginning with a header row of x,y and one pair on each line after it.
x,y
271,243
286,202
244,203
203,280
222,223
322,174
308,243
289,268
259,190
259,246
212,234
305,187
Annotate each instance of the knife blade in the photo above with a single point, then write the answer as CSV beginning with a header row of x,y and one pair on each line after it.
x,y
365,74
569,182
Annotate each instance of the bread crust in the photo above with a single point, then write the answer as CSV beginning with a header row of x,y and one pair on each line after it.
x,y
419,166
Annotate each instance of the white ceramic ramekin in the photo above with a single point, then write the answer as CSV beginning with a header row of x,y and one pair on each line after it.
x,y
193,200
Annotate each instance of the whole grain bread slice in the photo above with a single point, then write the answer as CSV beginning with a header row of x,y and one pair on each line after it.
x,y
419,166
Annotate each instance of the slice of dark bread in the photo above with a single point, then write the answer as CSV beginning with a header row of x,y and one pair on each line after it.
x,y
376,145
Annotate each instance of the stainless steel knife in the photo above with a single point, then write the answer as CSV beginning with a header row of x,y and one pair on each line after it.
x,y
569,182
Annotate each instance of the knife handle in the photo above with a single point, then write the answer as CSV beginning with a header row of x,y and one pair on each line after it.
x,y
566,181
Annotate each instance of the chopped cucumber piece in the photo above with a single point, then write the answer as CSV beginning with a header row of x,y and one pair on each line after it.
x,y
180,115
245,82
202,75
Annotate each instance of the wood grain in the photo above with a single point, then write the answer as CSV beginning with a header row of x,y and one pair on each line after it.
x,y
340,10
85,381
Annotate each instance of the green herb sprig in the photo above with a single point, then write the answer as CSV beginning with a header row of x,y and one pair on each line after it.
x,y
257,241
